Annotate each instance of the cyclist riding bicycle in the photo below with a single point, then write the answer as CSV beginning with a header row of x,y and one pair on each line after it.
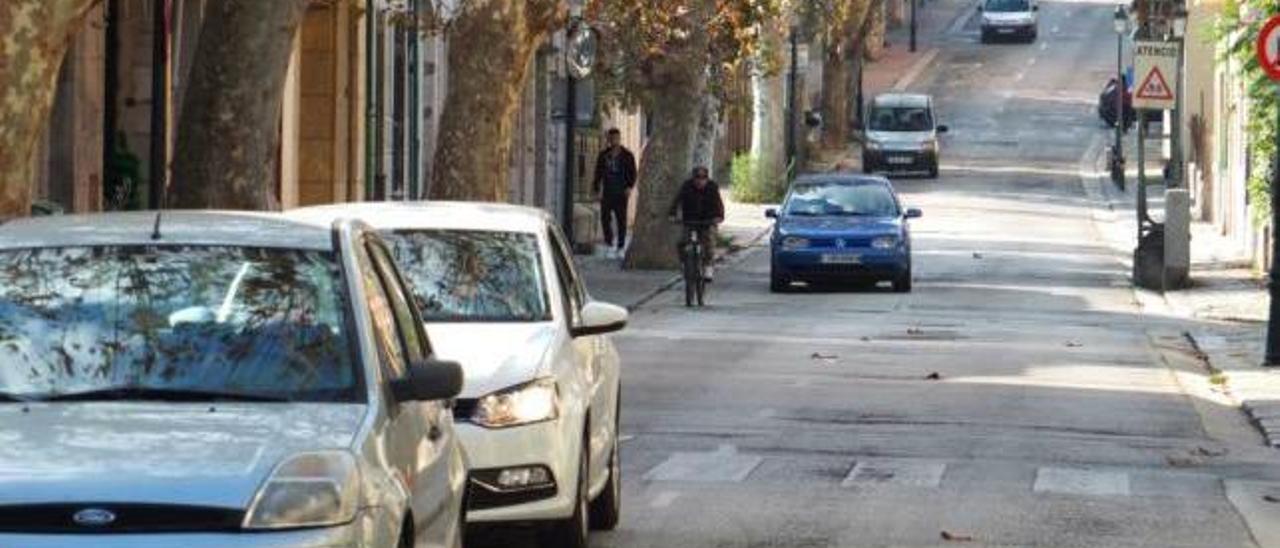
x,y
700,209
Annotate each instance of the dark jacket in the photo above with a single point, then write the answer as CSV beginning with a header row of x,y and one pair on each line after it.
x,y
614,174
698,205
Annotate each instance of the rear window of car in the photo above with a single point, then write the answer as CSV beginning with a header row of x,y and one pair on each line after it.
x,y
252,322
474,275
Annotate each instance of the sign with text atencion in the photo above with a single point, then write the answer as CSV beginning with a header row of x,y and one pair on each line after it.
x,y
1155,69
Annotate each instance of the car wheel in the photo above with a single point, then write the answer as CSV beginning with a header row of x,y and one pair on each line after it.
x,y
933,170
606,510
867,165
902,283
778,284
986,37
572,532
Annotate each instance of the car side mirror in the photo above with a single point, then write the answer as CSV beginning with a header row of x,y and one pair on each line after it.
x,y
1035,8
771,213
914,213
429,380
599,318
943,129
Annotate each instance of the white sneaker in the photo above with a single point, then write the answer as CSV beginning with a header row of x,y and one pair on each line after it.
x,y
620,253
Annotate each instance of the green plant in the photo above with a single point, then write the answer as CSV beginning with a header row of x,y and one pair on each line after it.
x,y
1237,28
751,185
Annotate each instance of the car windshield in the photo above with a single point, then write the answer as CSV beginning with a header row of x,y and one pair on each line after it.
x,y
1008,5
473,275
173,322
826,199
901,119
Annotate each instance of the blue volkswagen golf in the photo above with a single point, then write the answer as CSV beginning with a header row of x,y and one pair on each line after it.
x,y
841,228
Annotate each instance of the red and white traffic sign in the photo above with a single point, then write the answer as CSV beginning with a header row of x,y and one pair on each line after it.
x,y
1155,63
1269,47
1155,87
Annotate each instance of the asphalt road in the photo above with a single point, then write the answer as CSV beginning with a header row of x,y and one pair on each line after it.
x,y
1062,416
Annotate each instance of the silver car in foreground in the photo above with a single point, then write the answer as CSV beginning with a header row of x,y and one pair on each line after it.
x,y
218,380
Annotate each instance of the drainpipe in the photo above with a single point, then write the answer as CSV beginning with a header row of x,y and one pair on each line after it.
x,y
415,126
111,78
371,89
159,103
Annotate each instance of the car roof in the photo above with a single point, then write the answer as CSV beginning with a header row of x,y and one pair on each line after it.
x,y
433,215
902,100
841,179
177,227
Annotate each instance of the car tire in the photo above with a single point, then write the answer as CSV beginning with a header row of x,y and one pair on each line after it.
x,y
606,509
985,37
778,284
868,166
902,283
933,170
573,532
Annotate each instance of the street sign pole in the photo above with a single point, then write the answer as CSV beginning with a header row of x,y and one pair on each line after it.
x,y
1268,51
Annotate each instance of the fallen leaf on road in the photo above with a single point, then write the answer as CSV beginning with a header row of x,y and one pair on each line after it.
x,y
1074,344
1204,452
947,535
977,255
821,356
866,339
1183,462
915,331
1271,498
935,376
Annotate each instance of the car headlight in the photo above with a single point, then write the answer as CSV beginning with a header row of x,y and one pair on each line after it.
x,y
885,242
527,403
930,146
794,242
307,490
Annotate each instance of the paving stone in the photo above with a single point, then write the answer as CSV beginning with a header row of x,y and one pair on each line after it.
x,y
1078,481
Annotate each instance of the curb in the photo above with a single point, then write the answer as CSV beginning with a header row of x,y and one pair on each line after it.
x,y
728,259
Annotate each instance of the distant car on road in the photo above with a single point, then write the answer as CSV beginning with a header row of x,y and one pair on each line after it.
x,y
841,228
538,416
218,380
901,134
1009,18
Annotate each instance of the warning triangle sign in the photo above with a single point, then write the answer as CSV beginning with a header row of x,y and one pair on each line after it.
x,y
1154,87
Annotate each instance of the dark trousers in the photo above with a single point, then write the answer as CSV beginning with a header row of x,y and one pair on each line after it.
x,y
613,209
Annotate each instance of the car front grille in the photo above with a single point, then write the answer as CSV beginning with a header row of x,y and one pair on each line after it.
x,y
127,518
831,243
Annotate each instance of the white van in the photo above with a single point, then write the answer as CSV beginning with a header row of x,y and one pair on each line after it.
x,y
1009,18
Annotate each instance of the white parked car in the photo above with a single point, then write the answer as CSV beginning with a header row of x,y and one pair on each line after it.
x,y
538,414
219,380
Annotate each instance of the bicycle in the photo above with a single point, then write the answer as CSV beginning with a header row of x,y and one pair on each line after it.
x,y
692,257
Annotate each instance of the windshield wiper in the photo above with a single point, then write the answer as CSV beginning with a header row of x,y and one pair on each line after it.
x,y
161,394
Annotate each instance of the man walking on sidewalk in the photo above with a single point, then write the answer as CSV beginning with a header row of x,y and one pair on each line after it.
x,y
615,177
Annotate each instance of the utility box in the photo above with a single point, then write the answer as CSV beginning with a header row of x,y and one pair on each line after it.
x,y
1177,238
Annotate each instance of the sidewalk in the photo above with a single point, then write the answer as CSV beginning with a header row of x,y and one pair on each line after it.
x,y
744,226
897,68
1225,309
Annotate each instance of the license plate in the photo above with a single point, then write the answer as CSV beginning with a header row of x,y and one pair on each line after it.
x,y
1005,31
900,160
839,258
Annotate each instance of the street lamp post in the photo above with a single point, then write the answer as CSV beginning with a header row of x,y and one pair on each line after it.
x,y
1117,149
791,93
913,26
1176,168
580,49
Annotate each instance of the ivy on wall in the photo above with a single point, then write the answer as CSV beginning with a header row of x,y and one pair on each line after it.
x,y
1238,27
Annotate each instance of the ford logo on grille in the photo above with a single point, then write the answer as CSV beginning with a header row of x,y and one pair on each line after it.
x,y
94,517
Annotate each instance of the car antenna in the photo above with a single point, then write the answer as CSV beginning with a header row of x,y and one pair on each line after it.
x,y
164,199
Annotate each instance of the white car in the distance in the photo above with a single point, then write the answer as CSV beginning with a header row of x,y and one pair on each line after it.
x,y
538,413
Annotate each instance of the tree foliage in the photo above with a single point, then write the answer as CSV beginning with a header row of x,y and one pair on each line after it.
x,y
1239,25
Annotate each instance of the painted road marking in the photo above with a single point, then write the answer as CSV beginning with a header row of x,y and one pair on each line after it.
x,y
1076,481
912,472
722,465
664,499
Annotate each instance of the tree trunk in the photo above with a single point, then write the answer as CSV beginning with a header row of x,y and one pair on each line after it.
x,y
34,37
836,75
491,45
707,133
229,134
769,92
664,166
